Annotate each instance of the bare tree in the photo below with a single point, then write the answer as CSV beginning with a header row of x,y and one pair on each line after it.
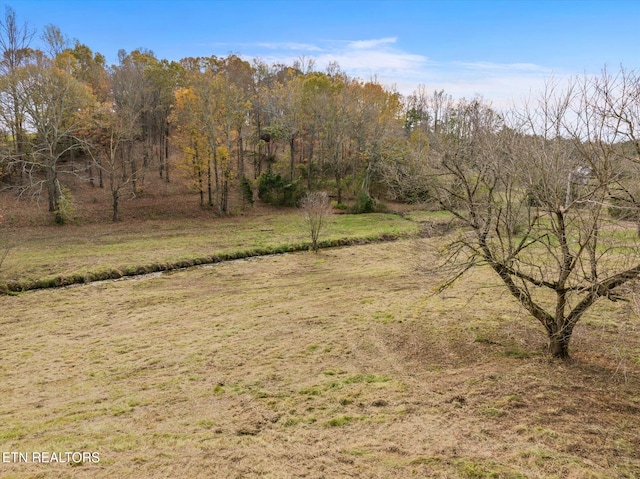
x,y
285,115
129,88
532,193
55,40
617,99
105,142
57,110
316,208
15,52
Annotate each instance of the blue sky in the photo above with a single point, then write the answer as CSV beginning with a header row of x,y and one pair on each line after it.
x,y
501,50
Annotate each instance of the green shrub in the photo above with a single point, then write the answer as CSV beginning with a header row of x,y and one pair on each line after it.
x,y
247,191
66,207
273,189
364,204
624,210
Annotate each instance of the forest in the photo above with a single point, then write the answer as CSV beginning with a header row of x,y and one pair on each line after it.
x,y
230,131
227,126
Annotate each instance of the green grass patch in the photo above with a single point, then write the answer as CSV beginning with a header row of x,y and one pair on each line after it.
x,y
54,256
366,378
312,391
356,379
422,216
494,412
340,421
486,470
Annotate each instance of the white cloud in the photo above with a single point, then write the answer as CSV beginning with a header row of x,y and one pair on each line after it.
x,y
372,60
489,66
502,84
367,44
290,46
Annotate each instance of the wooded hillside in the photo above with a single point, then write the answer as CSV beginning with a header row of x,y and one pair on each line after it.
x,y
226,129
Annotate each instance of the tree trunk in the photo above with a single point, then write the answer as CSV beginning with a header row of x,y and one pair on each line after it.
x,y
216,177
257,160
559,345
225,193
338,178
166,152
292,144
52,189
166,171
51,194
124,165
116,204
209,183
310,162
134,169
240,156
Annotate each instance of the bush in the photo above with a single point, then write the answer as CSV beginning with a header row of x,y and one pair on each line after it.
x,y
364,204
316,207
247,191
624,210
66,207
273,189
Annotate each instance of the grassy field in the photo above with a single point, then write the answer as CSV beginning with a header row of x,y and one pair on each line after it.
x,y
49,253
300,365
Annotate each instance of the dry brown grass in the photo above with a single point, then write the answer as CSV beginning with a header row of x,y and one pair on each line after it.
x,y
301,365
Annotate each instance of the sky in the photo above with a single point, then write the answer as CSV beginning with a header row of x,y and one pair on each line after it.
x,y
502,50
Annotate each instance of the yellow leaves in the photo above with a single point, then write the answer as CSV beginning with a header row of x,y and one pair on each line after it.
x,y
185,113
54,97
185,98
419,142
186,119
67,62
223,153
189,151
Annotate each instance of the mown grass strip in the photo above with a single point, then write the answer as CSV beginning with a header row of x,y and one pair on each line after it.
x,y
45,254
117,273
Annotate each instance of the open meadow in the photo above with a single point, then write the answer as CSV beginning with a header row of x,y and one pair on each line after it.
x,y
329,365
237,266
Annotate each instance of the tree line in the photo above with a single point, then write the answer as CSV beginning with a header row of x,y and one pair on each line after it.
x,y
236,126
